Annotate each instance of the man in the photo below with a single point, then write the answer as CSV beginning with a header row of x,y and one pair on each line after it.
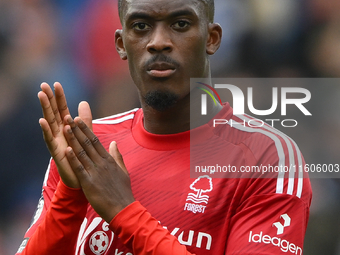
x,y
141,199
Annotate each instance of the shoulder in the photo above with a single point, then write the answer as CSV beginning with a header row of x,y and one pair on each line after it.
x,y
277,155
270,155
260,138
246,130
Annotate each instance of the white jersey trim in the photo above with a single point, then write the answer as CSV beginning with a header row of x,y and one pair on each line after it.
x,y
116,121
47,173
110,120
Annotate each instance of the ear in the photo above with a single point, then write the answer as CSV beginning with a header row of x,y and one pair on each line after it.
x,y
214,38
120,44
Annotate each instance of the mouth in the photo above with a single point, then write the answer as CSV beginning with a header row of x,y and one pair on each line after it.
x,y
161,69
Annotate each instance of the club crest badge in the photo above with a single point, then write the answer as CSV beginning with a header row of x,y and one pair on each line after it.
x,y
198,201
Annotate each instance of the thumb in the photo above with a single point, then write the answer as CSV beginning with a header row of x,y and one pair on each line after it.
x,y
84,112
114,152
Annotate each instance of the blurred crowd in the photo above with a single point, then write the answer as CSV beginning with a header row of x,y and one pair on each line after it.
x,y
73,42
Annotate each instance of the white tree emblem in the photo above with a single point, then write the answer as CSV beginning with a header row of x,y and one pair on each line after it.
x,y
202,184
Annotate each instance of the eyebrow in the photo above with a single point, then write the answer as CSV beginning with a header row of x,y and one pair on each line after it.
x,y
143,15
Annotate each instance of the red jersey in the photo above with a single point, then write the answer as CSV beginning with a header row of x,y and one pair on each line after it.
x,y
176,214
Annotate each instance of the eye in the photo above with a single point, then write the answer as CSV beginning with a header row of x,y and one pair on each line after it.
x,y
141,26
181,24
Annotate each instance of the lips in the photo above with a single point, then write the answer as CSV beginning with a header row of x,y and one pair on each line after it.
x,y
161,69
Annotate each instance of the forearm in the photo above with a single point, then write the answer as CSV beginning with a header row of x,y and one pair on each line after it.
x,y
57,233
142,233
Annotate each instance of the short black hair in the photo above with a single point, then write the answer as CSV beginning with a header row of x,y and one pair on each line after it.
x,y
209,3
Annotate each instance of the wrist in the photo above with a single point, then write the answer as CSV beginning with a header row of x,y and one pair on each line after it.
x,y
68,186
130,211
109,215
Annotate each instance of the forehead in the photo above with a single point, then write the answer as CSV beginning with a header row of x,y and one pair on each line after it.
x,y
162,8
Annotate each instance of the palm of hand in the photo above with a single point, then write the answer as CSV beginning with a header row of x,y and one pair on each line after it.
x,y
54,110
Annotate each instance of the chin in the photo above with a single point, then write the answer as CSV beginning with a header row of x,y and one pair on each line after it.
x,y
161,100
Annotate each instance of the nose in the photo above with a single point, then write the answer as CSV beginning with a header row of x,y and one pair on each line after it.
x,y
160,41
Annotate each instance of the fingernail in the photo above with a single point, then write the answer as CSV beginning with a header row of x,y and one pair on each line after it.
x,y
70,120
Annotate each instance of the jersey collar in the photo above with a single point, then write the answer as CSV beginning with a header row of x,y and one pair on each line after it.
x,y
174,141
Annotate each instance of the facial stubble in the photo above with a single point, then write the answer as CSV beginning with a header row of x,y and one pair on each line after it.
x,y
161,100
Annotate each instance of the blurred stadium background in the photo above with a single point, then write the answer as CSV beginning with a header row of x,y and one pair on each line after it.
x,y
73,42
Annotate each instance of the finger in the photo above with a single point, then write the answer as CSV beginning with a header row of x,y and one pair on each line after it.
x,y
87,142
48,91
114,152
84,112
48,136
79,146
61,100
48,113
77,167
99,148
